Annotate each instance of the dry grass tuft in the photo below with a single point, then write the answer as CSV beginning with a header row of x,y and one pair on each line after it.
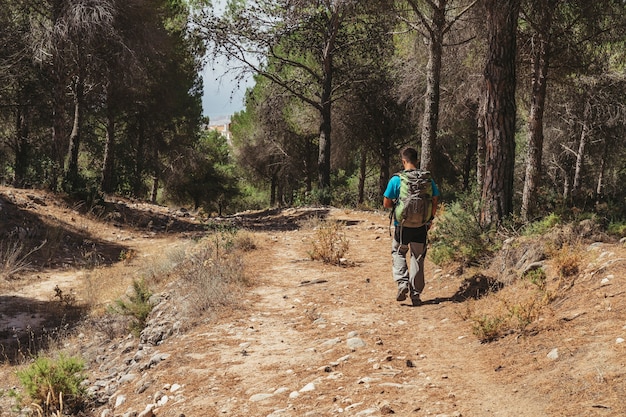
x,y
329,243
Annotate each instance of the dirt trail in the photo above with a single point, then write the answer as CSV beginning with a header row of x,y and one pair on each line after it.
x,y
287,352
311,339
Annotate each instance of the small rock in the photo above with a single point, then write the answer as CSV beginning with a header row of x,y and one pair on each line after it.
x,y
148,411
260,397
119,400
355,343
619,340
308,387
554,354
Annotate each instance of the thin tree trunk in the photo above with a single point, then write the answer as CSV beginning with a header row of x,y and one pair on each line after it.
x,y
385,157
156,173
323,161
601,173
480,145
433,80
534,155
71,173
362,171
106,183
580,155
500,111
22,147
472,145
273,185
139,157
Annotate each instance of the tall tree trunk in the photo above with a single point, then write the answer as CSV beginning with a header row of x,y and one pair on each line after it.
x,y
156,173
71,172
139,156
601,173
385,163
362,172
472,142
433,81
106,181
22,147
323,161
500,109
59,139
534,156
580,155
273,186
480,144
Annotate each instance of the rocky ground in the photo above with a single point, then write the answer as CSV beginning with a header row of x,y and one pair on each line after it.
x,y
311,339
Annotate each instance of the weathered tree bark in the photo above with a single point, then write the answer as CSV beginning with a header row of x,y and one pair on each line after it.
x,y
534,156
71,172
106,181
156,173
580,155
362,173
471,147
22,147
385,164
500,111
601,172
430,122
480,145
139,157
323,161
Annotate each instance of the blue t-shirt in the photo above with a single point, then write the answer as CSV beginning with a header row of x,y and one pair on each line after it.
x,y
393,190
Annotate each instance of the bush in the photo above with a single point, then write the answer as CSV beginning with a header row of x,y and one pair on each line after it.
x,y
542,226
215,267
55,386
329,244
138,306
458,236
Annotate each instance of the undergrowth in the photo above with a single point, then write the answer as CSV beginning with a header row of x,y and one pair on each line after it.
x,y
329,243
55,386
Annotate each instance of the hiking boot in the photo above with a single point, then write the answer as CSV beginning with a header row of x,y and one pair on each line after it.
x,y
403,290
415,300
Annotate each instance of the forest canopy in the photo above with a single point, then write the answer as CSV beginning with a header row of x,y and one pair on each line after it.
x,y
518,104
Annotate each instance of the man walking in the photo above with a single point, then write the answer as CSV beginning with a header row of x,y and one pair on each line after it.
x,y
410,233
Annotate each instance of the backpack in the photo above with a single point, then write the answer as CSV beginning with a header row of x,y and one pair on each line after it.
x,y
414,207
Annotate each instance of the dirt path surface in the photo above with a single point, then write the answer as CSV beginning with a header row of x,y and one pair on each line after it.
x,y
319,340
310,339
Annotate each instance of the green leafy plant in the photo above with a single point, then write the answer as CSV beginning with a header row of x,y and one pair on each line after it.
x,y
137,306
488,327
55,385
542,226
458,236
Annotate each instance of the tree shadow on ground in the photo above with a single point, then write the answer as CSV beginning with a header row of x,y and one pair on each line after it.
x,y
29,326
279,219
29,241
474,287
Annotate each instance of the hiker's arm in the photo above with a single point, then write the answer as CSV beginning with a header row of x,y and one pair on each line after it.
x,y
387,202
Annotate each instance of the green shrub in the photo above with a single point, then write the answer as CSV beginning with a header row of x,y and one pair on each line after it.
x,y
617,229
458,236
137,306
55,385
542,226
488,328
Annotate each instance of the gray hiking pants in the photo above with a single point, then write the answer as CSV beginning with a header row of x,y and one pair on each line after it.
x,y
413,273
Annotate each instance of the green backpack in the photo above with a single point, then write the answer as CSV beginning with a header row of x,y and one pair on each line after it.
x,y
414,207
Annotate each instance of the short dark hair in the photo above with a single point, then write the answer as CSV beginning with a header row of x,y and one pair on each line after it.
x,y
409,154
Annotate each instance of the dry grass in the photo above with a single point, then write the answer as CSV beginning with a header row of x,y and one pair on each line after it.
x,y
329,243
